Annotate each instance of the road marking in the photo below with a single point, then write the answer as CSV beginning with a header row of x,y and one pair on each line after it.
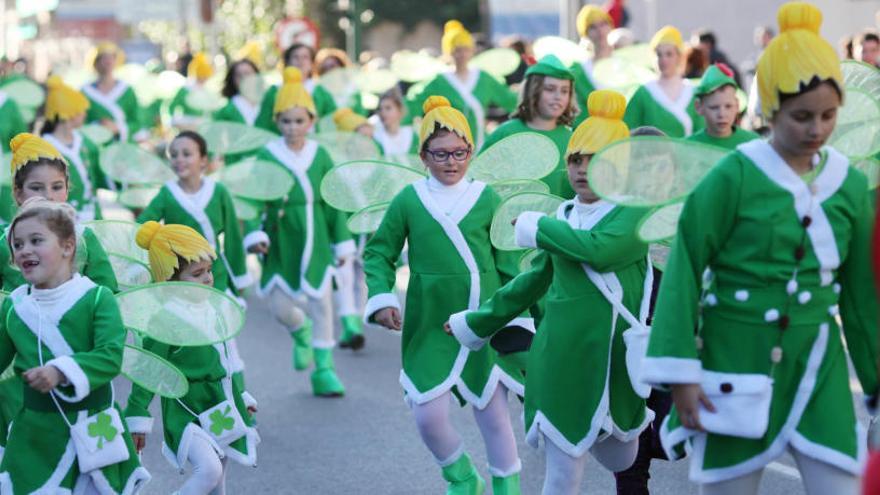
x,y
784,470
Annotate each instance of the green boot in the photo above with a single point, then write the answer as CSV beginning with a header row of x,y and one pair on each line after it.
x,y
302,346
325,383
463,478
508,485
352,333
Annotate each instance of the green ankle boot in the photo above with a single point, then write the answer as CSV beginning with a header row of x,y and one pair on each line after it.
x,y
302,347
325,383
508,485
463,478
352,333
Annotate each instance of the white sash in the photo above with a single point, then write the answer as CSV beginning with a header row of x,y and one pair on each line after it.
x,y
195,205
465,90
72,153
396,145
246,109
108,101
677,108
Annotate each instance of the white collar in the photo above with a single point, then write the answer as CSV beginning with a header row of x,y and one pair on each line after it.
x,y
435,185
677,108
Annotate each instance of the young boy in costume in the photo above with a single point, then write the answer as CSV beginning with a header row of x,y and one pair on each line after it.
x,y
715,100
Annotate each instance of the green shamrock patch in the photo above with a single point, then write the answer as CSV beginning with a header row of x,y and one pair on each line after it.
x,y
102,429
221,421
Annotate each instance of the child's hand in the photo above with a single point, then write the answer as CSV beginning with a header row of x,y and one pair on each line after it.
x,y
447,328
687,398
259,248
44,378
389,318
139,440
252,409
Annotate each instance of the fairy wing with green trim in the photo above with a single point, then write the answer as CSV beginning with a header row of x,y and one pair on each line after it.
x,y
137,198
376,81
130,164
225,138
661,223
525,155
97,133
621,74
254,179
414,67
649,170
861,76
502,231
118,237
347,146
204,100
508,188
153,373
244,209
356,185
871,168
181,314
367,220
857,132
340,83
25,93
568,51
129,272
498,62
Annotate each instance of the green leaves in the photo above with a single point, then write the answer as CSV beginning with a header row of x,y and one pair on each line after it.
x,y
221,421
103,429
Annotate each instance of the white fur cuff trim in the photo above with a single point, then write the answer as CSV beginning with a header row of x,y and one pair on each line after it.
x,y
255,238
248,399
139,424
463,333
524,322
74,375
378,302
662,370
344,249
242,281
526,229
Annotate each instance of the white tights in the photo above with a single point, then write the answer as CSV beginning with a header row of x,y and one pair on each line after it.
x,y
350,295
436,430
819,478
291,312
564,472
209,471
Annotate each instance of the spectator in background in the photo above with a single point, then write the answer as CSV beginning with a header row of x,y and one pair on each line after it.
x,y
695,62
845,47
519,45
762,37
618,12
705,40
866,47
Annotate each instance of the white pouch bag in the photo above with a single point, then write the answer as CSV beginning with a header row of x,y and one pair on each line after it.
x,y
636,340
99,440
742,403
223,423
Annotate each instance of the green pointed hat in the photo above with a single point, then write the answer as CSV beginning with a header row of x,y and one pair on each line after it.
x,y
550,65
716,76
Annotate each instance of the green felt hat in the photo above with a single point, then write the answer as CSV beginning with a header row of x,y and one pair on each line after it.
x,y
550,65
716,76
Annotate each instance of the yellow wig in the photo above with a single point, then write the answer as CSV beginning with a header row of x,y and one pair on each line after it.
x,y
589,15
454,37
105,47
604,126
166,244
200,67
348,121
438,111
62,101
668,35
293,94
27,148
796,56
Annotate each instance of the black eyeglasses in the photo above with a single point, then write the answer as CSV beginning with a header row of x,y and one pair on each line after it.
x,y
441,156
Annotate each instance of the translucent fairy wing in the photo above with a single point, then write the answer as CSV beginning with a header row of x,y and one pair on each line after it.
x,y
568,51
526,260
412,161
347,146
97,133
181,314
367,220
857,133
204,101
376,81
5,172
326,124
621,74
25,93
861,76
340,83
118,237
244,209
502,230
225,138
526,155
661,223
130,164
255,179
508,188
659,254
168,83
252,88
871,168
411,67
129,272
137,198
640,55
153,373
356,185
650,171
499,62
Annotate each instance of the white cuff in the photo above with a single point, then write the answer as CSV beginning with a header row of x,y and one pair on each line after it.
x,y
248,399
139,424
75,376
141,135
378,302
526,229
670,370
242,281
463,333
344,249
255,238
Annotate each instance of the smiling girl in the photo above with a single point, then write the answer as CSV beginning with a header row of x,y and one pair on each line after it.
x,y
785,226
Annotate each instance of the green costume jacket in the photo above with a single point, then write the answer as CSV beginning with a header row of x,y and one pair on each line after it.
x,y
402,144
324,104
738,137
745,222
11,125
82,334
583,86
650,106
85,174
119,105
453,266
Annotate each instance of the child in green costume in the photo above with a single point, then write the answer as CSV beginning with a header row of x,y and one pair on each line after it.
x,y
715,100
593,26
113,102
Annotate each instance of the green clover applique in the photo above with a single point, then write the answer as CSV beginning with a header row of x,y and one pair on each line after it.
x,y
102,429
221,421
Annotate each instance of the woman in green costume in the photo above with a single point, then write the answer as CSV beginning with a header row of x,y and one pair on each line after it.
x,y
579,389
470,90
239,109
785,227
179,253
113,102
65,112
301,239
66,336
547,106
183,115
668,102
593,24
445,220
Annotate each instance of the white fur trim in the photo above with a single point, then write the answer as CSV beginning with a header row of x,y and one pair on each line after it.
x,y
139,424
242,281
344,249
108,101
504,473
74,375
526,229
53,484
323,344
677,108
465,90
496,376
660,370
195,204
464,333
251,439
377,302
248,399
254,238
413,394
523,322
452,458
246,109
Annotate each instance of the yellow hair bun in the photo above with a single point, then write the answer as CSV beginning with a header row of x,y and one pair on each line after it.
x,y
292,75
606,104
435,102
451,25
799,15
20,140
54,82
146,233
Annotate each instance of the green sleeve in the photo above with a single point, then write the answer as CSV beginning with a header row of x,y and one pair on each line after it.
x,y
606,249
324,103
417,100
500,94
7,347
635,110
265,119
155,210
130,106
383,249
337,220
233,242
858,299
699,123
139,399
98,266
93,158
14,122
